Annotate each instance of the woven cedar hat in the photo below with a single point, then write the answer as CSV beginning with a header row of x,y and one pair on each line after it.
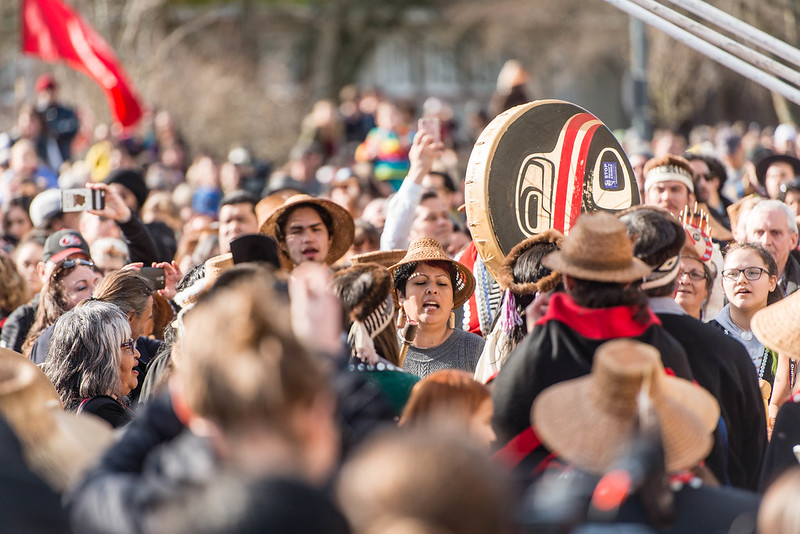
x,y
426,249
590,421
217,265
597,248
58,446
387,258
343,226
776,326
267,205
505,276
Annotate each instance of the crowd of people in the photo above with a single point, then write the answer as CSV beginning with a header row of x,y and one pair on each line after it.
x,y
226,345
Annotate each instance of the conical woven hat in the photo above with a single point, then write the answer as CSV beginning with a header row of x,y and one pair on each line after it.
x,y
343,225
426,249
776,326
387,258
598,248
589,421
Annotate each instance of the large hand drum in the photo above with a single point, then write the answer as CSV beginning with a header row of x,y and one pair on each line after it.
x,y
539,166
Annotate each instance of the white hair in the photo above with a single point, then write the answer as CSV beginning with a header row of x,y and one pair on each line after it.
x,y
769,206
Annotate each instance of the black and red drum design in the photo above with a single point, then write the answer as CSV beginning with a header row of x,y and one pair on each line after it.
x,y
539,166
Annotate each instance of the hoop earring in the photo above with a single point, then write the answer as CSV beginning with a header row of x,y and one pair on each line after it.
x,y
452,321
401,318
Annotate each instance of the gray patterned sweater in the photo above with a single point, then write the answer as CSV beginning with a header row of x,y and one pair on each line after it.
x,y
460,351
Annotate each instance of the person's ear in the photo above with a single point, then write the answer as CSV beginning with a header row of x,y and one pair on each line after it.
x,y
40,270
773,281
794,240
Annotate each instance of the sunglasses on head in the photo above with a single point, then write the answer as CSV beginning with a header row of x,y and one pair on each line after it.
x,y
69,264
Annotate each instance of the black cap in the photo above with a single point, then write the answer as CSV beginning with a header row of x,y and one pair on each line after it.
x,y
132,180
62,244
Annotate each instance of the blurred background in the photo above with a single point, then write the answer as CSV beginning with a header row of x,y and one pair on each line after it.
x,y
247,72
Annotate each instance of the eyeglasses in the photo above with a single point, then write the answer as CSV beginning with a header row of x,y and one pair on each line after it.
x,y
695,276
128,345
751,273
69,264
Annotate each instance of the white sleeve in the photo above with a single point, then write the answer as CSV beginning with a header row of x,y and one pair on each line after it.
x,y
400,210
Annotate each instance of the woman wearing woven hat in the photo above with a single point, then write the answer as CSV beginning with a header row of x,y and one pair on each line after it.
x,y
603,301
310,229
522,276
632,424
428,286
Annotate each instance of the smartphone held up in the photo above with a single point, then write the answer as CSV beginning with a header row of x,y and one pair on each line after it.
x,y
431,126
82,199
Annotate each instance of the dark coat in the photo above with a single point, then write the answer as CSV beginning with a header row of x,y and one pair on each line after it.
x,y
722,366
159,477
791,276
561,347
27,504
785,435
18,324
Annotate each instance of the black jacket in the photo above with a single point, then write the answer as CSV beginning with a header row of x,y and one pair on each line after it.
x,y
561,347
159,477
18,324
721,365
780,455
141,245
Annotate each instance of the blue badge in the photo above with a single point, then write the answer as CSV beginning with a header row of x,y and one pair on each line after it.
x,y
610,180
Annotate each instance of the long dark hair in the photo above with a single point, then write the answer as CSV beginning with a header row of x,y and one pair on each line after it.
x,y
52,305
593,294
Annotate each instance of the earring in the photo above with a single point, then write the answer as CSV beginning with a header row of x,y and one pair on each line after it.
x,y
452,321
401,319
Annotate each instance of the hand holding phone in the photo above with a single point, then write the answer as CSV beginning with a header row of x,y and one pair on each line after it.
x,y
431,126
155,276
83,199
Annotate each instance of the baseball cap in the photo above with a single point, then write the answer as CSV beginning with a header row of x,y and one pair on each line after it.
x,y
45,206
60,245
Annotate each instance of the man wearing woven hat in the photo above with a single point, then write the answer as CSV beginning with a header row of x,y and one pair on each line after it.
x,y
719,363
632,424
310,229
602,302
668,183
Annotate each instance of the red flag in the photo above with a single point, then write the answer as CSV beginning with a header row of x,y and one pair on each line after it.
x,y
54,31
